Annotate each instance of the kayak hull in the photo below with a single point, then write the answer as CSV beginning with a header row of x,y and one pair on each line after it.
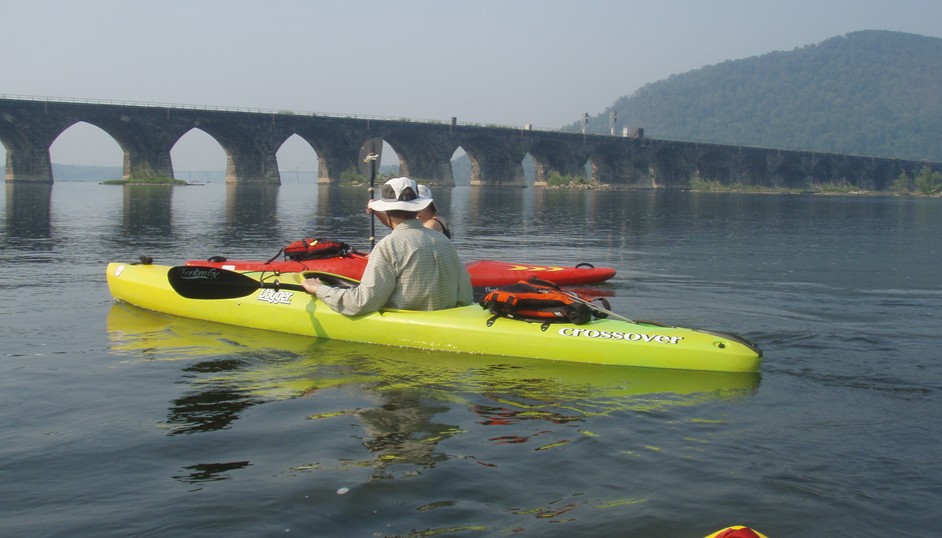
x,y
463,329
484,273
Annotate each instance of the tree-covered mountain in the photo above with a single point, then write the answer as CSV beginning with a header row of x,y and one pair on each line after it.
x,y
867,93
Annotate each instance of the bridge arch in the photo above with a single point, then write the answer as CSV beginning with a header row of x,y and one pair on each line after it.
x,y
550,157
493,162
788,171
298,159
423,156
754,167
249,159
613,165
460,166
671,166
714,165
337,149
74,144
146,154
404,160
196,154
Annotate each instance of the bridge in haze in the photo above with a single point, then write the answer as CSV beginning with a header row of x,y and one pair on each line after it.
x,y
251,139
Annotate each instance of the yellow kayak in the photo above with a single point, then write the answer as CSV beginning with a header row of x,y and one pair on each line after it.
x,y
319,364
276,303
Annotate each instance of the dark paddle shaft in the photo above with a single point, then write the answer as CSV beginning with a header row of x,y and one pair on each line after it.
x,y
372,160
197,282
598,308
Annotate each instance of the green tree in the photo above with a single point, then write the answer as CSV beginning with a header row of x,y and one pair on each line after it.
x,y
903,184
928,182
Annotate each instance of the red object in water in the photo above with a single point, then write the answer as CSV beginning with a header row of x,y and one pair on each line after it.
x,y
737,532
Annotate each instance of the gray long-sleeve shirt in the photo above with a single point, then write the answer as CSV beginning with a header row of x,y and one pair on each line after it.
x,y
412,268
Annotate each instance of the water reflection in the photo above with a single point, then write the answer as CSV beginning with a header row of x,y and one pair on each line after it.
x,y
251,203
28,210
252,214
147,210
218,391
214,406
341,212
210,472
401,430
483,204
228,370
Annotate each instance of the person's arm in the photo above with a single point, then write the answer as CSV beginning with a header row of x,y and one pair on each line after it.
x,y
375,289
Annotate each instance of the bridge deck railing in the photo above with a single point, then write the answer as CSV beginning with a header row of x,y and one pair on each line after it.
x,y
217,108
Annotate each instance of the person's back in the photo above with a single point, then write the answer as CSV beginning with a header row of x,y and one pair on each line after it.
x,y
430,274
412,268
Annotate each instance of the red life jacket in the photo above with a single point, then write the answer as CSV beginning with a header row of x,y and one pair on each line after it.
x,y
313,248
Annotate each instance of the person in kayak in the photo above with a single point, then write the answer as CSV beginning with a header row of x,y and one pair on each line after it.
x,y
429,215
412,268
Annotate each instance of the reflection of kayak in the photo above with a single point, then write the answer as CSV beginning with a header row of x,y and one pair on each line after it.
x,y
281,365
484,273
463,329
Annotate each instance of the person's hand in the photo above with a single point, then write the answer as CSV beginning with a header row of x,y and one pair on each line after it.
x,y
311,284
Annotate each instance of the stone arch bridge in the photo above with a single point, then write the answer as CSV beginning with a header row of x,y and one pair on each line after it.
x,y
251,139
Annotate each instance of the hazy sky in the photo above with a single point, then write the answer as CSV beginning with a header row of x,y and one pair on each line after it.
x,y
543,62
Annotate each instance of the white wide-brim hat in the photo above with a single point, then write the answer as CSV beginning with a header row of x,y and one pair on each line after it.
x,y
427,192
402,194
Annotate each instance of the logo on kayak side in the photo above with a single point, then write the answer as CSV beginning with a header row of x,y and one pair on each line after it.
x,y
198,273
274,296
616,335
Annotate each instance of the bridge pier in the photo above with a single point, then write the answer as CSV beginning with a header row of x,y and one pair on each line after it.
x,y
29,165
334,160
626,164
670,166
493,171
424,154
27,134
428,170
245,165
250,147
495,160
554,156
338,148
147,162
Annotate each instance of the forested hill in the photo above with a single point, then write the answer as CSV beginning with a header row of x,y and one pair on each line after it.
x,y
868,93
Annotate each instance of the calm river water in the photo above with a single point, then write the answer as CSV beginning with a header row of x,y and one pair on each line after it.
x,y
120,422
